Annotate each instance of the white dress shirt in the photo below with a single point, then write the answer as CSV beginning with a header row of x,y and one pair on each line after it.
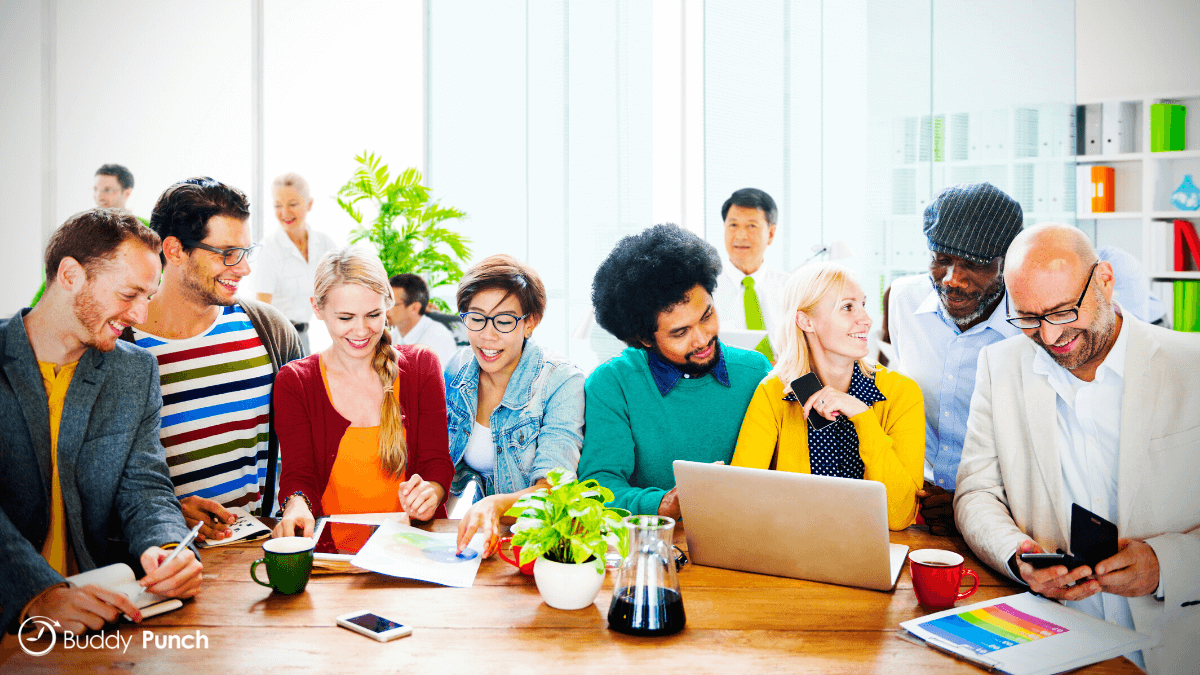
x,y
930,349
768,283
1089,434
283,272
431,334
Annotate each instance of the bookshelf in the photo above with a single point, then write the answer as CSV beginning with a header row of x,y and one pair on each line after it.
x,y
1144,181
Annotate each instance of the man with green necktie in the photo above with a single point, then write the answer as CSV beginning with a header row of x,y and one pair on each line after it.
x,y
748,291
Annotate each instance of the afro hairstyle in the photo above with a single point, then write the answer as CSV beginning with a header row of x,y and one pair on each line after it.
x,y
648,273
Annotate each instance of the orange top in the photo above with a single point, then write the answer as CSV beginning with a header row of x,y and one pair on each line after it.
x,y
357,483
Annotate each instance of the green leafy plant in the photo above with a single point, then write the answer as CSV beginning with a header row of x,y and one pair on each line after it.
x,y
568,522
417,244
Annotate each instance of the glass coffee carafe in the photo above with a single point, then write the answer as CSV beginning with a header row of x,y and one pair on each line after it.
x,y
646,599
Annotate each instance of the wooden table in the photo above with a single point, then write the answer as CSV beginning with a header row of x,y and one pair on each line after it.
x,y
736,623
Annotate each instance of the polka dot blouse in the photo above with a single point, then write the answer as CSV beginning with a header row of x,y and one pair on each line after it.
x,y
833,450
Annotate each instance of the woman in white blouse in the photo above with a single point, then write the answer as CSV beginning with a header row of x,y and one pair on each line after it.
x,y
284,277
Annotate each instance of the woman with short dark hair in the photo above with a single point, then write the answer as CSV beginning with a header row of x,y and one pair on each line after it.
x,y
515,411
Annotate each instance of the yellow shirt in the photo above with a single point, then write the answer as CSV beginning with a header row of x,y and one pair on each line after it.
x,y
55,550
891,439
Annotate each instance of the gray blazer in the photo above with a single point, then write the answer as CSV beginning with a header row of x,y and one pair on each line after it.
x,y
1010,484
112,467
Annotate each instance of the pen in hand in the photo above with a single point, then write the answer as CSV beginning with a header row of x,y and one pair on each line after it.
x,y
191,536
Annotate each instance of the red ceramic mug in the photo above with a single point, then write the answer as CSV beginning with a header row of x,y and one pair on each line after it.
x,y
527,568
936,576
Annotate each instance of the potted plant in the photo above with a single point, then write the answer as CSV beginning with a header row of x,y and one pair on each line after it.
x,y
567,529
419,245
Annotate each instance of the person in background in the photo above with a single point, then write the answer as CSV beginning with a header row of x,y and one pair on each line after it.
x,y
939,322
217,353
290,255
749,292
1092,407
59,494
111,189
362,425
515,410
676,392
1132,291
878,430
408,322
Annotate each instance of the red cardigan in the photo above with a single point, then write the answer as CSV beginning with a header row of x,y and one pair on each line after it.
x,y
310,429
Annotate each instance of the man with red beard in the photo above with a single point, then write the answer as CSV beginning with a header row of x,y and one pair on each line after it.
x,y
939,322
1097,409
677,392
80,446
218,354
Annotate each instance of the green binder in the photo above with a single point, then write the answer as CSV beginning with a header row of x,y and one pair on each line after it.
x,y
1167,124
1187,306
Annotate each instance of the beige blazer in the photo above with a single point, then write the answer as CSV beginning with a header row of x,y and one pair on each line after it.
x,y
1010,483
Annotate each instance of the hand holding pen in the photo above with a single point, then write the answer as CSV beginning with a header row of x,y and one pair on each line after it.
x,y
213,517
174,574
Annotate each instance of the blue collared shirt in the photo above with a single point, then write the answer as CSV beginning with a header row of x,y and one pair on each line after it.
x,y
666,375
931,350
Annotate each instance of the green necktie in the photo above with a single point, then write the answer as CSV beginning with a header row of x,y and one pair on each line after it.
x,y
754,317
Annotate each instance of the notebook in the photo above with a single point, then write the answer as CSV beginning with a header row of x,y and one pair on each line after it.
x,y
797,525
120,578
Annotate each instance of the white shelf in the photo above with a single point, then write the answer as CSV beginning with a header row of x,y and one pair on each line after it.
x,y
1112,215
1175,154
1177,276
1104,159
1175,215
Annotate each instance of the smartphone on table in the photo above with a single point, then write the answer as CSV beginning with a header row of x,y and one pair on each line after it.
x,y
374,626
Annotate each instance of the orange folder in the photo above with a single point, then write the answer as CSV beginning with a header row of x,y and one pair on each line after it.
x,y
1102,189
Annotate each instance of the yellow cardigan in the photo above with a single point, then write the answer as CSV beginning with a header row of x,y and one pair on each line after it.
x,y
891,439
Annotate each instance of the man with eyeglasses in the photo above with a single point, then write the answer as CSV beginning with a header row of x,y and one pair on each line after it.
x,y
1099,409
939,322
217,354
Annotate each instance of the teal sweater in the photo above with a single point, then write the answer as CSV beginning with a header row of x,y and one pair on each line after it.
x,y
633,432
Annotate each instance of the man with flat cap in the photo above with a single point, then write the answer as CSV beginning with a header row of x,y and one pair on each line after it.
x,y
1097,408
940,322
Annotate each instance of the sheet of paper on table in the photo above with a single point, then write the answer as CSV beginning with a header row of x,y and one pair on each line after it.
x,y
402,551
245,528
1025,635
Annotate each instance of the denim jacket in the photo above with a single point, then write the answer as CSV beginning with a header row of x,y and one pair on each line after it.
x,y
537,426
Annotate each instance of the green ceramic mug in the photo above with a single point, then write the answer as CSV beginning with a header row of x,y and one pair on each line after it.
x,y
289,563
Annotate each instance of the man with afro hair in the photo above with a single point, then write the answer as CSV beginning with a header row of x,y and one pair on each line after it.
x,y
676,392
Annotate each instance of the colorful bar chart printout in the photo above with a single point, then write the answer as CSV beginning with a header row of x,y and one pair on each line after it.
x,y
992,628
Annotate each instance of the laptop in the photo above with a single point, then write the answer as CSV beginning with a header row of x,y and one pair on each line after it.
x,y
797,525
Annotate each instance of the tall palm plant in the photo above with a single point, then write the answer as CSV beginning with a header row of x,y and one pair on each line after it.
x,y
418,244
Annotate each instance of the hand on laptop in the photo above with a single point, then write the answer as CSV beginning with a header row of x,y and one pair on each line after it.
x,y
669,506
1055,582
937,508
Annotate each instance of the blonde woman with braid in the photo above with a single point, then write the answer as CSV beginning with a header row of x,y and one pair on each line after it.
x,y
879,416
361,425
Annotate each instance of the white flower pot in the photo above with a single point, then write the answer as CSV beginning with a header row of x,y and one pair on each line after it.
x,y
565,586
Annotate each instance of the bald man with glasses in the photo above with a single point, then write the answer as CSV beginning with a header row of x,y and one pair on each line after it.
x,y
217,353
1097,408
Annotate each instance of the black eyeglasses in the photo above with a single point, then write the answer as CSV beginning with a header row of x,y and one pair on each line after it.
x,y
232,256
1053,318
504,323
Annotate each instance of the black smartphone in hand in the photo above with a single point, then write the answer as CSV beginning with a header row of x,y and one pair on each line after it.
x,y
1043,560
804,388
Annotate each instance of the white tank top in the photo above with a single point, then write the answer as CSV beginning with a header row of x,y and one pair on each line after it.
x,y
480,453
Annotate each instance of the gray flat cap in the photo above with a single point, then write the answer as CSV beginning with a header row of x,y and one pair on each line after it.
x,y
975,221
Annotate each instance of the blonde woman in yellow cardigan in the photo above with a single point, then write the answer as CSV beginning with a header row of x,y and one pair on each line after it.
x,y
879,415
